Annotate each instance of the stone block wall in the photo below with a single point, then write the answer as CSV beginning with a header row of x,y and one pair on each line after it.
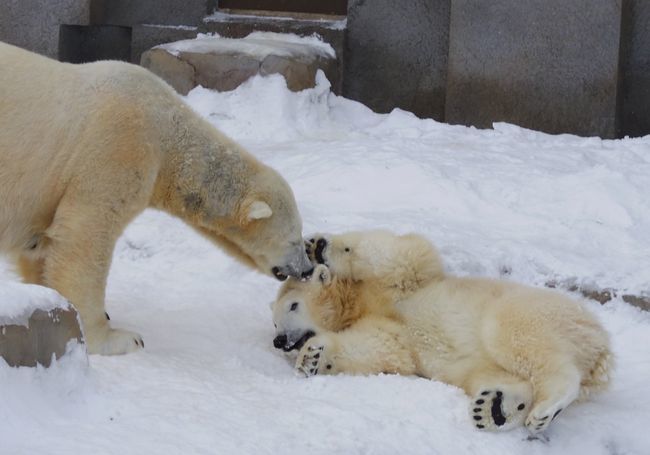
x,y
635,63
34,24
396,55
156,12
561,66
551,65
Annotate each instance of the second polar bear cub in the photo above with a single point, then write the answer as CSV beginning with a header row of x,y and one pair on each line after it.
x,y
381,303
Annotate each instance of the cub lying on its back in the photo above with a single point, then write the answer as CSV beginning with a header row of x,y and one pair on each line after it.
x,y
384,305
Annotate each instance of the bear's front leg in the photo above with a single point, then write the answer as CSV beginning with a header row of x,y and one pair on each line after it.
x,y
371,346
76,263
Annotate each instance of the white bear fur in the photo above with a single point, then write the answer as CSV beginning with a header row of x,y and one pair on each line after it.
x,y
531,351
86,148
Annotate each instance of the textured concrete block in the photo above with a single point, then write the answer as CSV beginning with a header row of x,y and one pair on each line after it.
x,y
550,65
331,31
89,43
176,72
34,24
635,113
36,325
156,12
144,37
396,56
224,63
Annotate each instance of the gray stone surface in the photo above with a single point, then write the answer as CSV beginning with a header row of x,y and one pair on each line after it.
x,y
165,12
226,71
34,24
89,43
144,37
47,335
396,56
550,65
332,32
178,73
636,69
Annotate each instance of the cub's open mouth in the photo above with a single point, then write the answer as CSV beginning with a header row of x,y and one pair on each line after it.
x,y
283,342
301,341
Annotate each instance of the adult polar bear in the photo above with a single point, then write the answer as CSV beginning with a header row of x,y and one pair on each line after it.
x,y
86,148
384,305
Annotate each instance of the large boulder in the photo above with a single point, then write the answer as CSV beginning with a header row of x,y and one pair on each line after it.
x,y
224,63
37,325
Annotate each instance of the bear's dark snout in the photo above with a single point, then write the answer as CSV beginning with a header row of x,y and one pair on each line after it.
x,y
280,341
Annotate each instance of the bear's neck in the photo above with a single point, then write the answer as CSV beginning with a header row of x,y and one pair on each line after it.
x,y
345,305
347,301
204,174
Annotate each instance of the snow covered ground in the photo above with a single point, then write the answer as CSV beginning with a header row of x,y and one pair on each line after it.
x,y
505,201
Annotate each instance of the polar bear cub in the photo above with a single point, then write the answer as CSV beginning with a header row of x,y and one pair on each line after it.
x,y
378,302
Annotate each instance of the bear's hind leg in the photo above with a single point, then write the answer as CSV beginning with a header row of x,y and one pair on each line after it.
x,y
499,400
31,270
555,389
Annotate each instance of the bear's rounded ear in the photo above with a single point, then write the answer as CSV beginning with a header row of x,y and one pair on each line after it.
x,y
322,274
256,210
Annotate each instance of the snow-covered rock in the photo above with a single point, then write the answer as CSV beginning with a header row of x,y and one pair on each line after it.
x,y
36,325
224,63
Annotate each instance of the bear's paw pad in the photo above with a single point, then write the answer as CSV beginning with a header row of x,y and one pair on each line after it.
x,y
496,410
315,248
309,360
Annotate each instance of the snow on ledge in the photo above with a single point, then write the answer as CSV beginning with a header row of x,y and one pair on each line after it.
x,y
257,44
332,24
18,301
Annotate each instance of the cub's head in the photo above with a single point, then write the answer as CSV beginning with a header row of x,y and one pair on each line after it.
x,y
305,308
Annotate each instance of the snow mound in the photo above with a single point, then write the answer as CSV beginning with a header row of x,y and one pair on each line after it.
x,y
18,301
257,44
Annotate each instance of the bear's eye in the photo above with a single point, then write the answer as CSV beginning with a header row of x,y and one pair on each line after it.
x,y
347,250
294,306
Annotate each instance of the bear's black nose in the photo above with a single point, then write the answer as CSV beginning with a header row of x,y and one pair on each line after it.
x,y
280,341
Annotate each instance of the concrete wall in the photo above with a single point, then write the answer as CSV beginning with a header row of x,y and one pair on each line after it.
x,y
636,70
578,66
156,12
396,55
34,24
551,65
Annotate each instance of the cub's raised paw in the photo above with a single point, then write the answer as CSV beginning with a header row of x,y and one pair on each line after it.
x,y
544,412
314,357
499,409
539,419
315,247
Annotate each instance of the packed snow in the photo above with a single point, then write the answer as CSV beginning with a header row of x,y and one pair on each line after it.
x,y
506,201
18,301
257,45
332,24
